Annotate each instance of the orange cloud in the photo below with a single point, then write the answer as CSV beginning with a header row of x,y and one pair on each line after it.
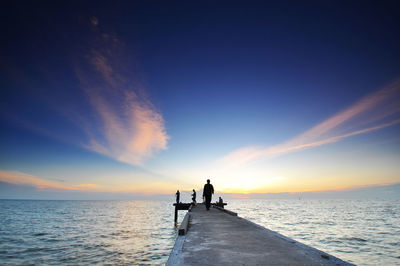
x,y
143,187
18,178
86,187
373,112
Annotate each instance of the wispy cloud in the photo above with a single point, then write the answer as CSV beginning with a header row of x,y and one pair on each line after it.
x,y
19,178
145,185
108,112
126,126
373,112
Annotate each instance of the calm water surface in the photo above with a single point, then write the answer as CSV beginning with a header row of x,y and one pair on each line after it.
x,y
86,232
365,232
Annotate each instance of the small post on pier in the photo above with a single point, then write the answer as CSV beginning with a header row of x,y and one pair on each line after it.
x,y
176,213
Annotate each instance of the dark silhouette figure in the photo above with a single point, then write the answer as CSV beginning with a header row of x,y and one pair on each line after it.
x,y
221,201
207,193
178,195
194,196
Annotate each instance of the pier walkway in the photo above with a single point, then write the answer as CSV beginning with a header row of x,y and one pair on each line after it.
x,y
217,237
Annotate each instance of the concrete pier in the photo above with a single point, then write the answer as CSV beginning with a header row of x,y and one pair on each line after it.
x,y
218,237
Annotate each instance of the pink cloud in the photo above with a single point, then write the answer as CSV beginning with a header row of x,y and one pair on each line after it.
x,y
126,126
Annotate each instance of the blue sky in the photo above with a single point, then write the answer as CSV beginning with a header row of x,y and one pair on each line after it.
x,y
147,97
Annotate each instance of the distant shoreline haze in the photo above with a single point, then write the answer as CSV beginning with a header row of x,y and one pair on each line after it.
x,y
12,191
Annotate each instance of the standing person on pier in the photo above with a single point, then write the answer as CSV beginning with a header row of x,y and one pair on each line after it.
x,y
207,193
194,196
178,195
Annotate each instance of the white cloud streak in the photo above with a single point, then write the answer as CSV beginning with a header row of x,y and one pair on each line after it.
x,y
373,112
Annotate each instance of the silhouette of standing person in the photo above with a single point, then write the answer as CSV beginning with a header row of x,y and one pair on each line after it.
x,y
178,195
207,193
194,196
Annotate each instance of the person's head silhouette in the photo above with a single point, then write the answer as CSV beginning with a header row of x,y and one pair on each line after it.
x,y
208,181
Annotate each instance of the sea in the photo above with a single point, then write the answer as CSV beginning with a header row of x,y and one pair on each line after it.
x,y
46,232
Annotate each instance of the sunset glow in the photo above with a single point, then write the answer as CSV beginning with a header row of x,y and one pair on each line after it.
x,y
139,104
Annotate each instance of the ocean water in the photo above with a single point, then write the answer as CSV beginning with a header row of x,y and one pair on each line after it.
x,y
86,232
365,232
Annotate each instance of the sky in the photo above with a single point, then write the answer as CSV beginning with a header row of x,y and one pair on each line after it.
x,y
141,98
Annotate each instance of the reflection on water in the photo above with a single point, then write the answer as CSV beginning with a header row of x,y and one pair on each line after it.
x,y
365,232
143,232
86,232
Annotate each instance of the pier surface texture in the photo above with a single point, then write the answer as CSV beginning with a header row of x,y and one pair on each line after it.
x,y
216,237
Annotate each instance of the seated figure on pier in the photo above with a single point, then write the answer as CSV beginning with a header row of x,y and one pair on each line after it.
x,y
207,193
